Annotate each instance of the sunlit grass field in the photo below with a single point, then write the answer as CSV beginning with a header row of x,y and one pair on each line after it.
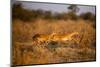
x,y
24,51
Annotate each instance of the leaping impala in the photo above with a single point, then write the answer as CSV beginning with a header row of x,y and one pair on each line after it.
x,y
56,37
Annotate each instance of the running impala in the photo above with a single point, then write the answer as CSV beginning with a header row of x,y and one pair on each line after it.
x,y
56,37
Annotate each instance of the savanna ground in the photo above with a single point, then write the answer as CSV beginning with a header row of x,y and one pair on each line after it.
x,y
24,51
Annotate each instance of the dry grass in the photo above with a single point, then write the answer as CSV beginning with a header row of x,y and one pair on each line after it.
x,y
24,52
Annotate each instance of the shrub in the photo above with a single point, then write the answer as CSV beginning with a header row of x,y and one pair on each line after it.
x,y
72,16
88,16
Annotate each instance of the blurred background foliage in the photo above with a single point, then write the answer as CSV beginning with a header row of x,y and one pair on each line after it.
x,y
18,12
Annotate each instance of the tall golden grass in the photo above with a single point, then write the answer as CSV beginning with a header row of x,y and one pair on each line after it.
x,y
22,33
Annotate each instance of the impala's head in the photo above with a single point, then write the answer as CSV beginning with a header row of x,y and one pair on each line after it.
x,y
75,35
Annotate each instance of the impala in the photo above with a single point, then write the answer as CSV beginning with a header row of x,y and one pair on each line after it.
x,y
56,37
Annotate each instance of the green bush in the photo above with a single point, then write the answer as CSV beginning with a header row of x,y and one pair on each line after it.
x,y
88,16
